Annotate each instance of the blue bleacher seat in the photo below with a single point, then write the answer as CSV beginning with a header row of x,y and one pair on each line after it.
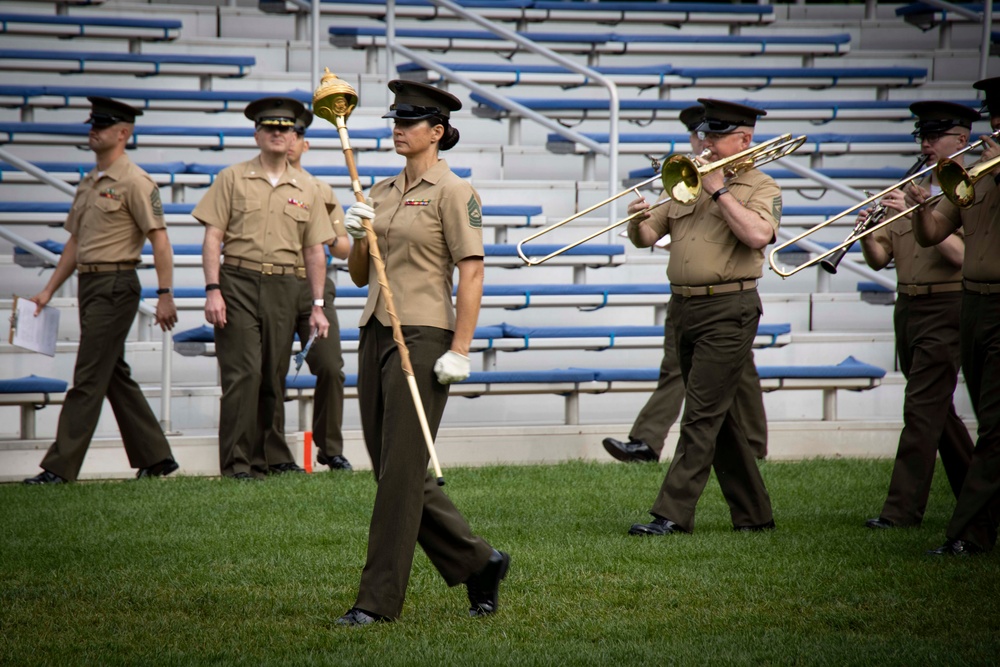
x,y
59,97
213,138
645,110
143,64
668,143
604,43
607,12
666,75
90,25
32,384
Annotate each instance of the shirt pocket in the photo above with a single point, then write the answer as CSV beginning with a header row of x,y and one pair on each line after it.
x,y
108,204
293,225
246,217
978,219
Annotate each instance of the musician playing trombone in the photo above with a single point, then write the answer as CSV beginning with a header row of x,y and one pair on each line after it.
x,y
926,316
716,255
973,525
649,431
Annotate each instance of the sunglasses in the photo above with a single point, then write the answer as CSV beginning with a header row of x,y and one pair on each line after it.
x,y
282,129
933,137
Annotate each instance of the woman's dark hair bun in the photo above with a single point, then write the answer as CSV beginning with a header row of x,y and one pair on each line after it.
x,y
449,139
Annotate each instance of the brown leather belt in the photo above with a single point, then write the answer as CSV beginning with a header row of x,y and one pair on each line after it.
x,y
106,267
265,268
981,288
924,290
712,290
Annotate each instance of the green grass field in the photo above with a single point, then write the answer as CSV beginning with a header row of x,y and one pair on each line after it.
x,y
207,571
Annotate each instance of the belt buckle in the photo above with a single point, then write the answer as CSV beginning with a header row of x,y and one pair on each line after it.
x,y
911,290
267,269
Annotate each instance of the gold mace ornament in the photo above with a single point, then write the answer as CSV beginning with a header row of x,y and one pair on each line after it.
x,y
333,101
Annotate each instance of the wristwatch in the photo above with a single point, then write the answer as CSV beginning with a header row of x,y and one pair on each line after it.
x,y
163,290
319,302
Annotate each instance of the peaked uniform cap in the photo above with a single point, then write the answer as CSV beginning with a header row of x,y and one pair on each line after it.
x,y
303,121
692,117
416,101
280,111
991,102
933,117
723,117
105,112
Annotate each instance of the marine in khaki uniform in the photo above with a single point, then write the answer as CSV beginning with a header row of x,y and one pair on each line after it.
x,y
325,357
649,431
716,254
266,214
116,208
973,525
926,316
428,221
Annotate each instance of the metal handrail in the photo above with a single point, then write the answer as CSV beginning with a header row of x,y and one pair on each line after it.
x,y
611,149
50,257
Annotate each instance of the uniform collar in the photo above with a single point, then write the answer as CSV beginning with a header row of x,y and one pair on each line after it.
x,y
432,175
117,169
291,175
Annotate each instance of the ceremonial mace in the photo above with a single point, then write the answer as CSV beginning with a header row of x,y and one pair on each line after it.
x,y
333,101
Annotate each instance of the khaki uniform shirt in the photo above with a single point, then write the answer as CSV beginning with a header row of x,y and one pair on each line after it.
x,y
981,224
915,265
113,213
703,249
422,233
265,223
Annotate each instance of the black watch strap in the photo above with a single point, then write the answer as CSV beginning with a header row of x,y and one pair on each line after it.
x,y
718,193
163,290
211,286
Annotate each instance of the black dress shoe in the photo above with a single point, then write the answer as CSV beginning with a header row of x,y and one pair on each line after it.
x,y
243,477
45,477
956,548
631,451
356,616
659,526
282,468
760,527
879,524
484,586
161,469
336,462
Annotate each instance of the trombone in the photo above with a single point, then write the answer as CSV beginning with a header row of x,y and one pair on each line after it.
x,y
957,184
681,178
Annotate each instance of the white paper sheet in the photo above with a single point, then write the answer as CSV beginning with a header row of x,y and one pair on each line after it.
x,y
37,334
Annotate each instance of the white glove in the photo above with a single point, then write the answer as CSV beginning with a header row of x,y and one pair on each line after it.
x,y
352,219
451,367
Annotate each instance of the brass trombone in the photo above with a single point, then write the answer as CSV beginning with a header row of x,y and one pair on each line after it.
x,y
957,184
681,178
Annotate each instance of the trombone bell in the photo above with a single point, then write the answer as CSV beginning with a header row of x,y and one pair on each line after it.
x,y
956,182
681,179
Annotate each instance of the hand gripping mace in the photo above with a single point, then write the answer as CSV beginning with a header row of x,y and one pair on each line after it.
x,y
334,100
